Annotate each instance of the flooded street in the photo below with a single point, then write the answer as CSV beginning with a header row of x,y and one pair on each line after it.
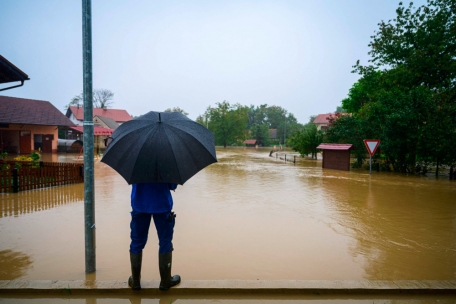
x,y
249,216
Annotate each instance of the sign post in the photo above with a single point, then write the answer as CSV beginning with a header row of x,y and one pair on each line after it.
x,y
371,146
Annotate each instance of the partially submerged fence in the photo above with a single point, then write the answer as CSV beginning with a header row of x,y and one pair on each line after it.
x,y
286,157
44,175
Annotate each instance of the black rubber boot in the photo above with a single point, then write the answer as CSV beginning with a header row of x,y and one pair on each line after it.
x,y
134,281
165,261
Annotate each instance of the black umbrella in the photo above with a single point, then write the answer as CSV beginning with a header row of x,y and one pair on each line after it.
x,y
160,147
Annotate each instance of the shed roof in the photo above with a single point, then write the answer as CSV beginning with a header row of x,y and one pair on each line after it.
x,y
68,142
335,146
96,130
117,115
32,112
111,123
250,141
9,72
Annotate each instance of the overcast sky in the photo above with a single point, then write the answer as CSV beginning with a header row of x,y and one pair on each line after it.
x,y
192,54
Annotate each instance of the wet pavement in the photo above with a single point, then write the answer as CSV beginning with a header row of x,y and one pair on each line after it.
x,y
249,217
343,299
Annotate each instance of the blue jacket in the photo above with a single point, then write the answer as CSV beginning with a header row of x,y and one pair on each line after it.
x,y
152,197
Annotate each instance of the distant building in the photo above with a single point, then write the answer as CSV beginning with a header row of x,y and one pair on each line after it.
x,y
76,114
105,122
250,142
28,124
322,120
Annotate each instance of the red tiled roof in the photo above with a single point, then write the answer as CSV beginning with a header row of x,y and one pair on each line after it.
x,y
96,130
30,111
250,142
335,146
115,114
322,118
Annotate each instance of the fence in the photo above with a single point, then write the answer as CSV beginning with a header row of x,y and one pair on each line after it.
x,y
45,175
286,157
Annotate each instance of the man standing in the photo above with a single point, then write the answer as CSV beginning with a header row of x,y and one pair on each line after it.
x,y
152,200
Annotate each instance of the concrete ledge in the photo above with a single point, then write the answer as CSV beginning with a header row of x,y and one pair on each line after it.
x,y
198,287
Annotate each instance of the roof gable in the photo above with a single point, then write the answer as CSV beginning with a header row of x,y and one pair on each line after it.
x,y
31,111
111,123
115,114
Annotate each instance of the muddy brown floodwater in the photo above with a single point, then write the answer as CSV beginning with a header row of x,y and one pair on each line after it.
x,y
249,216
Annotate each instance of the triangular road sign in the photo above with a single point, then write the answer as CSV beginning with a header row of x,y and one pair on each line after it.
x,y
371,145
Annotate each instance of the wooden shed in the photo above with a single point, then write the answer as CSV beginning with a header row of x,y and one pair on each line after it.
x,y
250,142
336,156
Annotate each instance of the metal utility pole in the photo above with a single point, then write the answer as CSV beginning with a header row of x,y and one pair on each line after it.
x,y
89,197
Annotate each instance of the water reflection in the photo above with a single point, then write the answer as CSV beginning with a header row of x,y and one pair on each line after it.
x,y
236,299
13,264
399,222
24,202
162,300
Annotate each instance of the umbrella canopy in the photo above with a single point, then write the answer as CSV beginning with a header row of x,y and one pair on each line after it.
x,y
160,147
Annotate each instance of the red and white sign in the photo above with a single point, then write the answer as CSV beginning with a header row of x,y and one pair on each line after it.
x,y
371,145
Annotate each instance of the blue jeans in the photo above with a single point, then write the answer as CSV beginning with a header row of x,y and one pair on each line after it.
x,y
140,223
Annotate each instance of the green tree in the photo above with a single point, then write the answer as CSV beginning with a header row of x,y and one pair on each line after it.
x,y
227,122
261,133
264,117
257,115
290,126
420,43
340,109
362,92
177,109
406,95
202,120
285,123
347,129
306,140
